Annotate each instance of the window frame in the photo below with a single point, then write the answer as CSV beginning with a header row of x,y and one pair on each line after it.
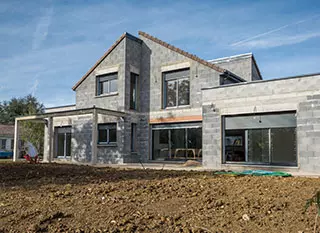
x,y
258,117
133,137
3,145
176,80
134,91
107,127
107,79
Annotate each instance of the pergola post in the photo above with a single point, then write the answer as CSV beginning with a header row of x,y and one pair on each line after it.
x,y
94,137
48,144
16,141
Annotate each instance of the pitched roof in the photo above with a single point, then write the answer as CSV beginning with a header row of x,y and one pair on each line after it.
x,y
104,56
154,39
182,52
6,130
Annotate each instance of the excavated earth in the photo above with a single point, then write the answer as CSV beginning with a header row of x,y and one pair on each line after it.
x,y
72,198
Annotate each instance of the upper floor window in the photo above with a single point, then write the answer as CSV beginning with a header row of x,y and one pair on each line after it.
x,y
176,88
133,91
107,133
107,83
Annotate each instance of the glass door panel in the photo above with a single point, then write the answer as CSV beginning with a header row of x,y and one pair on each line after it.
x,y
160,144
60,145
258,146
194,144
283,146
63,142
178,142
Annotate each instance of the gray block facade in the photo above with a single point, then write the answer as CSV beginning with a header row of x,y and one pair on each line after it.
x,y
299,95
150,58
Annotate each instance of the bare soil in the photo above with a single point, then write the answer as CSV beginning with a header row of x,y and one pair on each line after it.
x,y
72,198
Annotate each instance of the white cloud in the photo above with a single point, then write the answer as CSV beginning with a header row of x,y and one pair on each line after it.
x,y
278,41
275,41
42,28
35,86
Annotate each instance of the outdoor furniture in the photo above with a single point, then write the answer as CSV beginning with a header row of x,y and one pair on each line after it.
x,y
193,150
30,159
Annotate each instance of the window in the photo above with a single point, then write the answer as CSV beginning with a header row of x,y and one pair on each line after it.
x,y
12,144
181,141
133,90
63,142
3,144
176,88
133,137
261,139
107,133
107,83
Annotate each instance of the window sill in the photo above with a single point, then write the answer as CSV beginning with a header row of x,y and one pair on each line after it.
x,y
107,145
177,107
107,95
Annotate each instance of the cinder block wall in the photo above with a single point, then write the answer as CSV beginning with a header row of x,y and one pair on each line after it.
x,y
154,58
300,94
86,91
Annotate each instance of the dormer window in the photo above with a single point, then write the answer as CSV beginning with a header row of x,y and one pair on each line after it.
x,y
107,84
176,88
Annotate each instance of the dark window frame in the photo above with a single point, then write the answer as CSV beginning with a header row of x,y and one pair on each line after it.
x,y
133,137
176,80
107,127
3,144
270,142
134,91
106,78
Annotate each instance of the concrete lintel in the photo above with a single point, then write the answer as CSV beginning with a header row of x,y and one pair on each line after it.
x,y
73,113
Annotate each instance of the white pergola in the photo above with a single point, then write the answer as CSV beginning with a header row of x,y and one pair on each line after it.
x,y
47,118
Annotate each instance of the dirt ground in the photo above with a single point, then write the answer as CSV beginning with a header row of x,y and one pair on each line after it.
x,y
60,198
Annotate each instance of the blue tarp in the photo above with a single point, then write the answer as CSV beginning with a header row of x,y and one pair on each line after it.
x,y
6,154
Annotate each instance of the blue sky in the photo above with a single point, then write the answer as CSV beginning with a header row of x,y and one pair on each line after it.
x,y
46,46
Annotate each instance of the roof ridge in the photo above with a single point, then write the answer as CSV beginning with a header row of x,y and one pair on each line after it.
x,y
184,53
100,60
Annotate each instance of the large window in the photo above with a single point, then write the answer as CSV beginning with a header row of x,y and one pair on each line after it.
x,y
63,142
261,139
3,144
107,84
177,141
133,90
176,88
107,133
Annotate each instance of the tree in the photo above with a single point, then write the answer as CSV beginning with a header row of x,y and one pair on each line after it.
x,y
28,105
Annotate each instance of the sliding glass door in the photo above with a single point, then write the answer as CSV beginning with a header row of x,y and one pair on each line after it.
x,y
63,142
177,141
261,139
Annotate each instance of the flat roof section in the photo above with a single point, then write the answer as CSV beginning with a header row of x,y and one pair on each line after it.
x,y
262,81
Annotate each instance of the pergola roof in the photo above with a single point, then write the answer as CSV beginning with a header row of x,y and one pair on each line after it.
x,y
74,112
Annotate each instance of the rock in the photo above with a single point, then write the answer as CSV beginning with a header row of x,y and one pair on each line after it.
x,y
245,217
191,163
